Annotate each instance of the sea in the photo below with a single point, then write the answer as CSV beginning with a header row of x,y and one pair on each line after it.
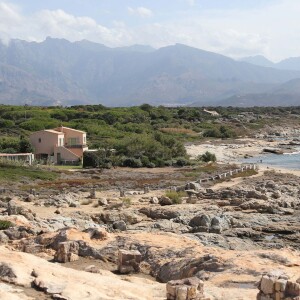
x,y
287,161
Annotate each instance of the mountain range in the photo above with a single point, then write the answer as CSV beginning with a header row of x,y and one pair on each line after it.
x,y
59,72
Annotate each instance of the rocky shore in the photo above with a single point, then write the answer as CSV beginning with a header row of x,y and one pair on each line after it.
x,y
121,243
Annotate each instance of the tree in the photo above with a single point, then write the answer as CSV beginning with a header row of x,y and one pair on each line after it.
x,y
25,146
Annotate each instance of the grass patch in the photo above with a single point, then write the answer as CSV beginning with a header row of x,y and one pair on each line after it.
x,y
126,202
5,224
17,173
66,168
176,197
246,173
195,172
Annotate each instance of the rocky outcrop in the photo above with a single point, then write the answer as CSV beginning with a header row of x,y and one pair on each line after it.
x,y
276,285
7,273
186,289
67,252
187,267
205,223
129,261
159,213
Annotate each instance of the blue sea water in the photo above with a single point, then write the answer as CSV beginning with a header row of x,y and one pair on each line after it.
x,y
287,161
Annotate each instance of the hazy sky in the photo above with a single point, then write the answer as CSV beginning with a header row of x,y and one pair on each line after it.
x,y
235,28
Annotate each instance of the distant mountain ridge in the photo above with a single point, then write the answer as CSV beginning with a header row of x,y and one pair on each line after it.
x,y
58,72
292,63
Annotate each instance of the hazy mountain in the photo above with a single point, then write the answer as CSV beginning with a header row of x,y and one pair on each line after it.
x,y
265,99
286,94
292,63
60,72
258,60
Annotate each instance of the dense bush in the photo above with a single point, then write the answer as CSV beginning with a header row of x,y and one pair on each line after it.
x,y
221,132
207,157
132,162
97,159
15,145
141,136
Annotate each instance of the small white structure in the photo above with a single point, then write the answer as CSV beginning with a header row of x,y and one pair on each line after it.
x,y
27,158
211,112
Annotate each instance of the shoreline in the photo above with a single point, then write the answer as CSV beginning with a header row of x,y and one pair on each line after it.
x,y
242,149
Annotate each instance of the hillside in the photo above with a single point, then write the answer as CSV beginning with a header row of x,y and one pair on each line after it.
x,y
58,72
285,94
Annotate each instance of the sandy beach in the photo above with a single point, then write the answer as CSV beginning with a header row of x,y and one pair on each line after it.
x,y
232,152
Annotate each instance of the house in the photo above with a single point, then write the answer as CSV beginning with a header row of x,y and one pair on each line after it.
x,y
60,145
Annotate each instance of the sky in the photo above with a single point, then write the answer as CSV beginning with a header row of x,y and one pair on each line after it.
x,y
235,28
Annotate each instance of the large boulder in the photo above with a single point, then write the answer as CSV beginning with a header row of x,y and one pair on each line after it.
x,y
164,200
129,261
200,223
159,213
276,285
185,289
219,224
187,267
193,186
67,251
120,225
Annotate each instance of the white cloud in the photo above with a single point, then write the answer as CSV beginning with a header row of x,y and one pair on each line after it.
x,y
57,24
191,2
10,20
272,30
142,12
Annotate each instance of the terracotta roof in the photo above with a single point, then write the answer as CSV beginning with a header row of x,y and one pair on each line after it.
x,y
58,129
53,131
48,130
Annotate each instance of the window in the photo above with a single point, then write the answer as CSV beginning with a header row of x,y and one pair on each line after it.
x,y
84,139
40,140
61,141
73,141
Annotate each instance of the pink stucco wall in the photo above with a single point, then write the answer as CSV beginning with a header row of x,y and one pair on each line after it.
x,y
52,142
48,141
72,133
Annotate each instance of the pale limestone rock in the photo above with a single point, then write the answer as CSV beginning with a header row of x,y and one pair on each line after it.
x,y
267,285
129,261
66,252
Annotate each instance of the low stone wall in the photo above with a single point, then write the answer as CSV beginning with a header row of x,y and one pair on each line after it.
x,y
277,286
229,173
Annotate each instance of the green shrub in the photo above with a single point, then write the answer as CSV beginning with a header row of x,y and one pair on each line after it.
x,y
132,162
207,157
5,224
221,132
176,197
90,159
182,161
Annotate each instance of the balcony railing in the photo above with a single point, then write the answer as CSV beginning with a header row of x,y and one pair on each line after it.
x,y
76,146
